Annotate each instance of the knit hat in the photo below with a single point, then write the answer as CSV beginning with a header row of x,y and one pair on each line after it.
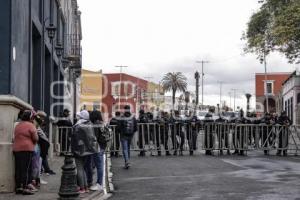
x,y
84,114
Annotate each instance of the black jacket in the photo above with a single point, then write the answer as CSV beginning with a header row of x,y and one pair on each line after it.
x,y
99,130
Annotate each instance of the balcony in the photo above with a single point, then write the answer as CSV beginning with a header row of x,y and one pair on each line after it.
x,y
74,51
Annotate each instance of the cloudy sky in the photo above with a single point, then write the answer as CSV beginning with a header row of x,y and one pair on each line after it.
x,y
153,37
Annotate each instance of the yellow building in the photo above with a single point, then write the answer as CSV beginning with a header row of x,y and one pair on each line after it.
x,y
91,90
155,96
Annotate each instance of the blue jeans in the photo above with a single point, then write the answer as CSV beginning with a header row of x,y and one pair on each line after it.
x,y
126,148
97,160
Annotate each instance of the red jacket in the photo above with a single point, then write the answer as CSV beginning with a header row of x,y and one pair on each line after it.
x,y
25,137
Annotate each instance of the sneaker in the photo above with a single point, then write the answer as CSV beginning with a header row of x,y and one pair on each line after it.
x,y
44,182
50,173
32,188
27,192
81,191
127,165
19,190
96,187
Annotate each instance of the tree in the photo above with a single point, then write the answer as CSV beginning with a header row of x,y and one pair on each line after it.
x,y
275,27
174,81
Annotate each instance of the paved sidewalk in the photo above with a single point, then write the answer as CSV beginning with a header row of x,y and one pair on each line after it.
x,y
49,191
252,177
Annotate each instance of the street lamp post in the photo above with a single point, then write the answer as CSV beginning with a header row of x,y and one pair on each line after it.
x,y
197,76
234,96
202,73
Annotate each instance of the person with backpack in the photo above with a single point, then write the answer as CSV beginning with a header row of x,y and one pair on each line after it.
x,y
128,128
100,131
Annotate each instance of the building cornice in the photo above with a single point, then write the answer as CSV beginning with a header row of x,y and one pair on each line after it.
x,y
14,101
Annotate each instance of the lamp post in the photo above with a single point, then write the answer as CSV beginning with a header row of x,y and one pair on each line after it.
x,y
248,96
197,76
202,73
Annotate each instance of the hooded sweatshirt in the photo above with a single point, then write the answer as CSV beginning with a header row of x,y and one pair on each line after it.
x,y
84,141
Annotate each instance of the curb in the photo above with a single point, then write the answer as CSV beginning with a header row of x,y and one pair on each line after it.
x,y
109,174
108,187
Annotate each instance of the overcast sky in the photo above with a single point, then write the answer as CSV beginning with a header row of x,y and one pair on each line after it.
x,y
153,37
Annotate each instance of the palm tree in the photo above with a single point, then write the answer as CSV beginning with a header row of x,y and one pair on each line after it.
x,y
174,81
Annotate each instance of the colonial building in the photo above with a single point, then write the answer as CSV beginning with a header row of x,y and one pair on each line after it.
x,y
91,90
155,96
270,87
122,89
291,97
40,55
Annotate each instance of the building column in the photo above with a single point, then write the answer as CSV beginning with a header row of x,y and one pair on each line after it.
x,y
10,106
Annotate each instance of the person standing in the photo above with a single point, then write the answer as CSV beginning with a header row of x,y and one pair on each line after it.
x,y
283,137
143,132
65,131
115,121
97,158
83,144
25,139
128,128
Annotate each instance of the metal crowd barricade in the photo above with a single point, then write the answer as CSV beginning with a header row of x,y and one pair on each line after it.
x,y
294,139
210,136
63,139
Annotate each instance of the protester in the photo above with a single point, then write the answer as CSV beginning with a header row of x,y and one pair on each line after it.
x,y
25,139
128,128
83,144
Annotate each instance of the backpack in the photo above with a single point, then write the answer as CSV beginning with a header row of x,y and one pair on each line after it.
x,y
128,127
104,135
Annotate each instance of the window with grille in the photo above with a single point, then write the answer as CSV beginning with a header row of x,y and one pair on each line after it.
x,y
269,88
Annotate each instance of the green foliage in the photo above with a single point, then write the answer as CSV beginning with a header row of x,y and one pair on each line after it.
x,y
275,27
174,81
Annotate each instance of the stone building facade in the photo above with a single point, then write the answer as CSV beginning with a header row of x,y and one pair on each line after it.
x,y
40,53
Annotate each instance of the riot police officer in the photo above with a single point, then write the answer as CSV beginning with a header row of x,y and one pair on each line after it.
x,y
193,128
208,134
143,132
266,128
284,121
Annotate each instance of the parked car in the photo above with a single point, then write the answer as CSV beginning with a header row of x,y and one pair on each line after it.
x,y
201,114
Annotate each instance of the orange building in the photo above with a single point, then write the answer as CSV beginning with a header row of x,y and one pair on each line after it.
x,y
91,90
269,87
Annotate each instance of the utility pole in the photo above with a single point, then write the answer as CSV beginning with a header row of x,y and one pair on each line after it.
x,y
229,99
221,83
234,96
265,85
197,76
202,73
121,69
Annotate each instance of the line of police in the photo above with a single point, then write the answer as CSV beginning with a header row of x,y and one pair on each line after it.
x,y
170,129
